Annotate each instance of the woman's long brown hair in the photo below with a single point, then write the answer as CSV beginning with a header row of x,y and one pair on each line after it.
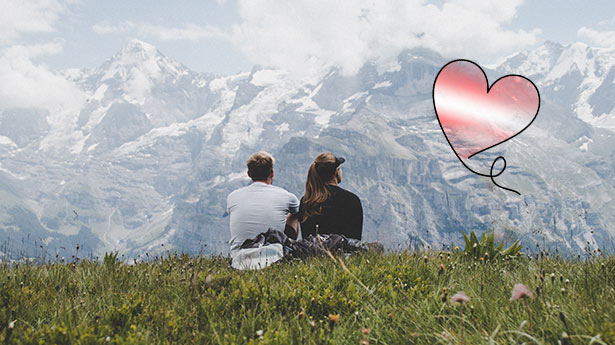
x,y
316,192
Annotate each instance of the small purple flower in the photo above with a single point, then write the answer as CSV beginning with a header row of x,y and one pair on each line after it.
x,y
460,297
521,291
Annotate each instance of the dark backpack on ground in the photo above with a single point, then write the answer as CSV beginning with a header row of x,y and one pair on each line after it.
x,y
312,246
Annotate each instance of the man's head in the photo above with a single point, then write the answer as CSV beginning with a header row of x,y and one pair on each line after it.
x,y
260,167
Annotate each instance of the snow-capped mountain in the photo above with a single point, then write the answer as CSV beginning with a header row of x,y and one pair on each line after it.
x,y
145,164
577,77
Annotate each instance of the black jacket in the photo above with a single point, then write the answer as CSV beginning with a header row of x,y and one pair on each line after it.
x,y
342,214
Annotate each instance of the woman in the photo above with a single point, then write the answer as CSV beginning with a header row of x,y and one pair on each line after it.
x,y
326,208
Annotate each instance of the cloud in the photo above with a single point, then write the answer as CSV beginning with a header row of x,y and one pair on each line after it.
x,y
597,38
189,32
301,34
28,85
107,28
32,51
36,16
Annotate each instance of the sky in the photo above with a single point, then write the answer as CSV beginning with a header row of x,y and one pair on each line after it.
x,y
231,36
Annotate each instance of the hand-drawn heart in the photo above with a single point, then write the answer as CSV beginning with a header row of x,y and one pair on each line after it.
x,y
475,117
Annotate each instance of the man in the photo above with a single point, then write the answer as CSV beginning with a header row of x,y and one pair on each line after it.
x,y
257,208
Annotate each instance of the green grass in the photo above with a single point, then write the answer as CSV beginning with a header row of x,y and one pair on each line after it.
x,y
402,298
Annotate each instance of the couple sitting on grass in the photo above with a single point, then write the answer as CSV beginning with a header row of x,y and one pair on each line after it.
x,y
264,219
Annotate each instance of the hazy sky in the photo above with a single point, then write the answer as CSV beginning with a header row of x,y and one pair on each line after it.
x,y
228,36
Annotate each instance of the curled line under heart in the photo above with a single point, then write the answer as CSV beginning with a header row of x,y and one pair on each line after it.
x,y
490,175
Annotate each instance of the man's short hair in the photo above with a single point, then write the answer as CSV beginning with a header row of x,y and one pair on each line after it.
x,y
260,166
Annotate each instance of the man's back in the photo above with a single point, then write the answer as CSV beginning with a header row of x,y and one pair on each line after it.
x,y
255,209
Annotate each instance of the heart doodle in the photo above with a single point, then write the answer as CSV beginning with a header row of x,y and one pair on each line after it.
x,y
474,116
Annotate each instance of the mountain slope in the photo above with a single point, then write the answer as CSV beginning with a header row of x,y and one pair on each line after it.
x,y
146,163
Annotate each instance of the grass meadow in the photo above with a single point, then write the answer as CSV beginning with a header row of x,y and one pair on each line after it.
x,y
407,297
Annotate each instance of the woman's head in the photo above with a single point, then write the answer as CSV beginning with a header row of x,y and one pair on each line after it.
x,y
325,170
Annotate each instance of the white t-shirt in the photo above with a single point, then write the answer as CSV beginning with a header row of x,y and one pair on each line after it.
x,y
255,209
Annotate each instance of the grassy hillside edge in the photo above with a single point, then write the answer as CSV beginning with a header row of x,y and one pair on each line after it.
x,y
395,298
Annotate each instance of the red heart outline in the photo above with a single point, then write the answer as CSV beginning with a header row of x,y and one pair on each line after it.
x,y
489,87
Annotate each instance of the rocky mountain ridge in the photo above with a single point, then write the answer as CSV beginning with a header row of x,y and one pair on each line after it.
x,y
146,163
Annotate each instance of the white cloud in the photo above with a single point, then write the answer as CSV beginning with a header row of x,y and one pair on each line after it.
x,y
18,17
298,35
26,84
189,32
597,38
107,28
32,51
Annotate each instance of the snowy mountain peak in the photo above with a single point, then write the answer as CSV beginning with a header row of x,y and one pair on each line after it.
x,y
552,45
552,61
577,76
136,52
533,63
139,47
141,60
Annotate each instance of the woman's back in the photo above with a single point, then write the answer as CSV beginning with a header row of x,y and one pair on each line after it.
x,y
342,214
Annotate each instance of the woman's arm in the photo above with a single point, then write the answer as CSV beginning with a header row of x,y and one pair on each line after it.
x,y
350,220
355,222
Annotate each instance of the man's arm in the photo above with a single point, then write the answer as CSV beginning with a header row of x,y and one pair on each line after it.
x,y
292,219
